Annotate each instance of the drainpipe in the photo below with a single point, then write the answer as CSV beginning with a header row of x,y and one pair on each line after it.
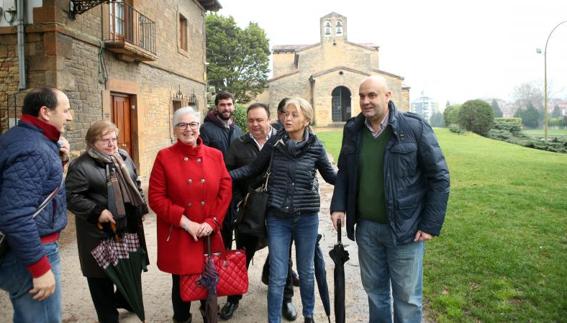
x,y
21,52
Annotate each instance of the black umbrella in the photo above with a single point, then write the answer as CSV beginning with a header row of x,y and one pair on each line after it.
x,y
321,277
123,261
339,256
209,280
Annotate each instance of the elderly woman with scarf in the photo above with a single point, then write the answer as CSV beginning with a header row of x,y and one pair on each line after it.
x,y
292,156
98,208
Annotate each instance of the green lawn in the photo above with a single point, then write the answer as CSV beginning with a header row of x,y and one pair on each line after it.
x,y
502,255
550,132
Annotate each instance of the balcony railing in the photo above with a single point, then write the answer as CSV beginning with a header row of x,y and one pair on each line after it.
x,y
129,32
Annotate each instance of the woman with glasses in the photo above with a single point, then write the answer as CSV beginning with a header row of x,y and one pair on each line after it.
x,y
96,214
190,190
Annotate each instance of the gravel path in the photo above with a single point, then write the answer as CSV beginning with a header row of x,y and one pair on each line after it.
x,y
77,305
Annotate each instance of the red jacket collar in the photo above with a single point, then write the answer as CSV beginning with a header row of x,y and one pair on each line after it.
x,y
48,130
188,149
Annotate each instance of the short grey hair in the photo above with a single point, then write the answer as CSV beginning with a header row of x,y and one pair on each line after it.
x,y
183,111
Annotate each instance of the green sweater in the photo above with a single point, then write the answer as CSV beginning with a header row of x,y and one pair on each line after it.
x,y
371,199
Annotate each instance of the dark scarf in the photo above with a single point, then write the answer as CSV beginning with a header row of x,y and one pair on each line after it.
x,y
295,147
121,188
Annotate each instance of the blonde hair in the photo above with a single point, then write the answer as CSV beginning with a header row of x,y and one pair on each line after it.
x,y
303,105
99,129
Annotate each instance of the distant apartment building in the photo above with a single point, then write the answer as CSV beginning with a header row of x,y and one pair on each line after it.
x,y
129,61
424,106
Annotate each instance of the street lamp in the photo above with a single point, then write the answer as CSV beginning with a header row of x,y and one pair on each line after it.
x,y
545,111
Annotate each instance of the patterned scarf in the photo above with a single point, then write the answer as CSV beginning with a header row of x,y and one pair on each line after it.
x,y
120,184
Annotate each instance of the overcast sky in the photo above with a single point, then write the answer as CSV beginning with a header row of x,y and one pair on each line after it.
x,y
449,50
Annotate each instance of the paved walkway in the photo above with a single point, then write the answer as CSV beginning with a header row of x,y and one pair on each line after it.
x,y
77,305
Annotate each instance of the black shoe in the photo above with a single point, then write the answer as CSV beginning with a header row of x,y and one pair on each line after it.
x,y
309,320
289,312
294,278
186,321
228,310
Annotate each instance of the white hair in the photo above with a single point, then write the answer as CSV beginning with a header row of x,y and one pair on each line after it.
x,y
183,111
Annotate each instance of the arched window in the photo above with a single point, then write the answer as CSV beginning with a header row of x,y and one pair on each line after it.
x,y
327,28
339,28
340,104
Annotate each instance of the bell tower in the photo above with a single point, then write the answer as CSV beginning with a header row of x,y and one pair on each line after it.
x,y
333,27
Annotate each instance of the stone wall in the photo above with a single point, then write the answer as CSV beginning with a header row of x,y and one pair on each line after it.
x,y
150,88
330,64
8,80
283,63
64,53
40,62
155,111
78,76
324,87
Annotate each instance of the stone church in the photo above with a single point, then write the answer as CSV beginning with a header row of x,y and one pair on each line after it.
x,y
328,73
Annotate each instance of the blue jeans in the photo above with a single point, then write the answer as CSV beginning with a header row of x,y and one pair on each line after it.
x,y
383,265
303,230
17,281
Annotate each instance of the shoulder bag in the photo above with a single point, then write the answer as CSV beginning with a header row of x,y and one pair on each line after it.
x,y
251,218
225,271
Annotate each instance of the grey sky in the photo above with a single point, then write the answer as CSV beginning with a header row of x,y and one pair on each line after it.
x,y
451,50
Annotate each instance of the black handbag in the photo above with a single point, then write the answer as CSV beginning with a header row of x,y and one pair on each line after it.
x,y
252,211
4,240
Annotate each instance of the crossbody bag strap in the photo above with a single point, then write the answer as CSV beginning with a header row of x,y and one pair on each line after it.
x,y
49,198
268,172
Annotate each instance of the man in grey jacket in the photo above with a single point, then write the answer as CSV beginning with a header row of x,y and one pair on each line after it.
x,y
393,184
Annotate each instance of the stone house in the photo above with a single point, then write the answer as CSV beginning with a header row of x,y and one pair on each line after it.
x,y
328,73
129,61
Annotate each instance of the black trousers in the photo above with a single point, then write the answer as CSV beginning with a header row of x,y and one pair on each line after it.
x,y
249,243
181,309
227,227
106,300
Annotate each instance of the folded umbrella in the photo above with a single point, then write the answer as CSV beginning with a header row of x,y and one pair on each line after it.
x,y
209,280
321,277
123,261
339,256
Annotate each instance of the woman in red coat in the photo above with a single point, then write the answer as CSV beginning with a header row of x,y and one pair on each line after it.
x,y
190,190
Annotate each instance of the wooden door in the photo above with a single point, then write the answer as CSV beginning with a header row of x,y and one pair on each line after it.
x,y
122,118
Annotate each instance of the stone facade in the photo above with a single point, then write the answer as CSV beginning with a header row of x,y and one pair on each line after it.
x,y
75,56
334,65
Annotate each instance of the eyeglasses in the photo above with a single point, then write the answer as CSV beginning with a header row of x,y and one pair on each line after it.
x,y
109,140
185,125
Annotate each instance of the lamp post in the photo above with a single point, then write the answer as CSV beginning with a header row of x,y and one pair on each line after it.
x,y
545,111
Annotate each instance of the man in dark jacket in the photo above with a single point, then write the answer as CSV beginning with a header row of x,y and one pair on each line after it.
x,y
218,131
242,152
31,169
393,183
